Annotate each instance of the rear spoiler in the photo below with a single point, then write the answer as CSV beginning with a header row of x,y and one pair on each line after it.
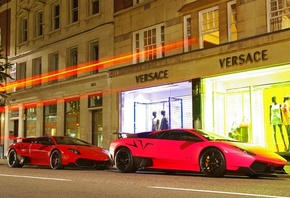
x,y
133,135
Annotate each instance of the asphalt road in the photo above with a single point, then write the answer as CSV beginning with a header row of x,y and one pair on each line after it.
x,y
32,181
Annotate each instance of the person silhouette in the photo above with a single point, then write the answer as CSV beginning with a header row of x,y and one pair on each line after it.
x,y
286,118
155,122
164,121
276,120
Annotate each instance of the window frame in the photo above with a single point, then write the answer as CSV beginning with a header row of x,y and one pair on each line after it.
x,y
23,27
139,52
280,14
213,22
187,33
38,18
232,20
55,25
74,11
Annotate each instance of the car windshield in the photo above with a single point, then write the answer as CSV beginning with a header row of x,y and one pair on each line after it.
x,y
71,141
213,136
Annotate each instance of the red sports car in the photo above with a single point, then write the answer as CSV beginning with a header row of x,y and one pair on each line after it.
x,y
57,152
193,150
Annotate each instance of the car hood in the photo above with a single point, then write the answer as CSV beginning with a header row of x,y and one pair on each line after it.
x,y
90,151
258,151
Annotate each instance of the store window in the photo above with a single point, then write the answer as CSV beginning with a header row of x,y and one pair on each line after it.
x,y
144,109
95,105
50,119
232,21
238,105
187,33
209,27
72,118
30,121
148,44
278,12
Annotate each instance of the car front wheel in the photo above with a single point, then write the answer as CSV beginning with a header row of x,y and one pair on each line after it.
x,y
12,159
124,161
55,160
212,163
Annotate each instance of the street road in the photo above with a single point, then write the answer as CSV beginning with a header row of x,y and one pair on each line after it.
x,y
32,182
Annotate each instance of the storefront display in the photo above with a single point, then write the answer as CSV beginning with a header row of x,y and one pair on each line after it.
x,y
238,105
167,102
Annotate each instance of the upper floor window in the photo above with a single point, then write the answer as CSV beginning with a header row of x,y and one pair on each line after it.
x,y
232,21
278,12
21,75
23,27
209,27
148,44
73,62
55,16
74,11
94,56
187,33
36,72
94,6
38,24
53,68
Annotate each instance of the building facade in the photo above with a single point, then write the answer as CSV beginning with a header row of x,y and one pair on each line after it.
x,y
92,68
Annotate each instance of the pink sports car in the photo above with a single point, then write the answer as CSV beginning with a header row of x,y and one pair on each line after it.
x,y
195,151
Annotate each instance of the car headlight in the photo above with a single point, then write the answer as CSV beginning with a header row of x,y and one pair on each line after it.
x,y
245,151
77,152
105,151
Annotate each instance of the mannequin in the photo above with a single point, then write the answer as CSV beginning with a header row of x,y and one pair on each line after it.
x,y
164,121
286,118
155,122
276,120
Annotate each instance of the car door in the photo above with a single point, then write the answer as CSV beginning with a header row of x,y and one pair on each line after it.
x,y
179,150
40,150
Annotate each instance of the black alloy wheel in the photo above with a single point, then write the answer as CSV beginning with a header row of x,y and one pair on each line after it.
x,y
55,160
212,163
12,159
124,161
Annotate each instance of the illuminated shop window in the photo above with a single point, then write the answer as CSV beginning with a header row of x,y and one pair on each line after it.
x,y
173,102
278,12
238,105
72,118
209,27
96,101
30,121
50,119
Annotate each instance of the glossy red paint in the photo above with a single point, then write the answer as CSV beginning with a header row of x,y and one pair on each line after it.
x,y
57,152
193,150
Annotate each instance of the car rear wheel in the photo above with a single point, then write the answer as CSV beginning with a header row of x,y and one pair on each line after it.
x,y
124,161
212,163
55,160
12,159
